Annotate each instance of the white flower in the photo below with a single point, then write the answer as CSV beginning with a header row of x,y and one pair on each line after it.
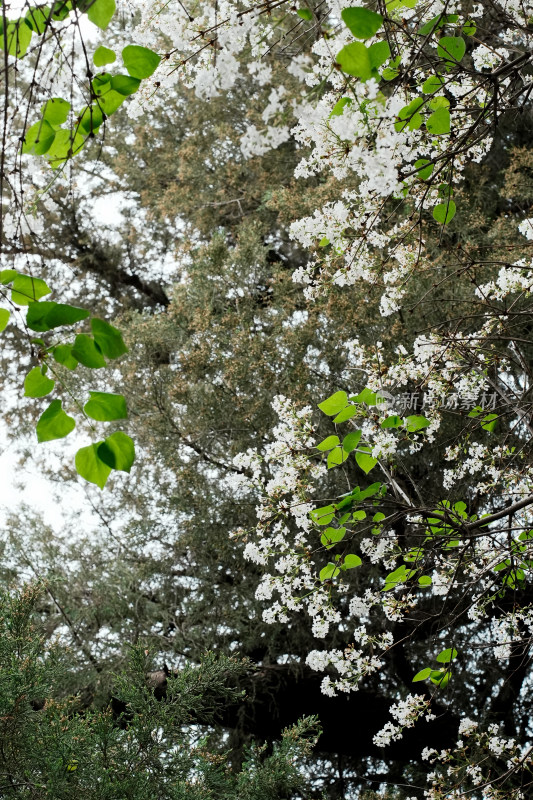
x,y
253,553
467,726
526,228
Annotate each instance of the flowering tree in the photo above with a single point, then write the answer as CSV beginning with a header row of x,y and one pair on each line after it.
x,y
397,102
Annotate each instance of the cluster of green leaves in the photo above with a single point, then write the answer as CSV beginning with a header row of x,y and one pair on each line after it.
x,y
18,33
426,110
346,512
439,677
116,451
487,421
61,133
342,408
513,570
357,59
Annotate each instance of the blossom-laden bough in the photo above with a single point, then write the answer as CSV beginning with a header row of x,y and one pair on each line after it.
x,y
397,101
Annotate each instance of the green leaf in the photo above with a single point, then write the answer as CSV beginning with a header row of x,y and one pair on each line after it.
x,y
35,318
331,536
439,102
108,338
323,515
440,678
17,36
354,59
305,13
439,122
366,396
365,460
38,138
61,9
373,489
502,565
56,111
38,18
91,467
444,212
26,289
4,319
437,22
351,561
336,456
378,53
36,384
489,422
333,404
103,55
7,275
362,22
63,355
445,656
124,84
432,84
102,84
345,414
451,48
339,106
422,675
424,172
327,444
351,440
100,12
106,407
469,28
85,350
54,423
389,74
140,61
416,422
414,555
400,575
348,499
66,144
329,571
90,118
445,191
409,116
394,421
117,452
425,580
47,315
110,101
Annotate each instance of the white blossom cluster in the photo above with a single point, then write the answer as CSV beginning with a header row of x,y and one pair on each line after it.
x,y
210,49
286,537
406,713
470,765
512,628
284,523
352,664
